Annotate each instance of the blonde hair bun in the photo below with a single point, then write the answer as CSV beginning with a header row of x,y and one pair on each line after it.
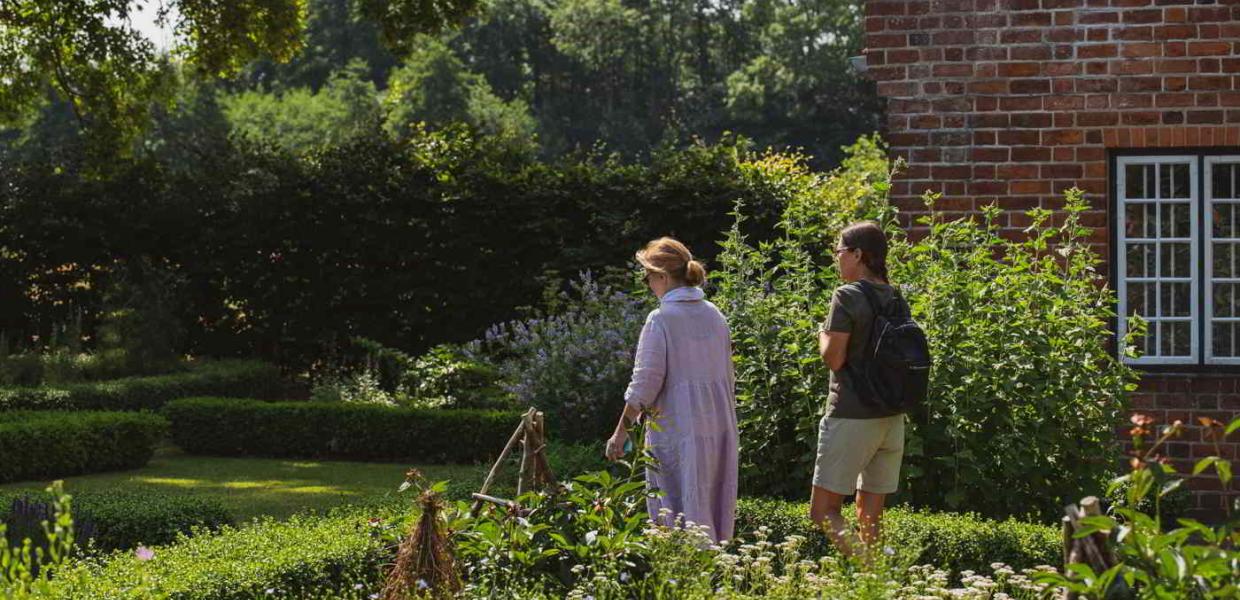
x,y
669,256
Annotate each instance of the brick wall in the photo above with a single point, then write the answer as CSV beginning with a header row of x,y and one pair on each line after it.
x,y
1013,101
1169,398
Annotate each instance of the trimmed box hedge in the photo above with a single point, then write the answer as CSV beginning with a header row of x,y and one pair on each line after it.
x,y
949,540
52,444
251,379
366,432
115,520
304,557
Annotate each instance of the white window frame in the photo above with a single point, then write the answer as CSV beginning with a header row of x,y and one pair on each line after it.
x,y
1208,278
1121,253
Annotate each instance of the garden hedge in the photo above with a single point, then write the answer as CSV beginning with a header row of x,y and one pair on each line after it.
x,y
51,444
949,540
251,379
367,432
304,557
115,520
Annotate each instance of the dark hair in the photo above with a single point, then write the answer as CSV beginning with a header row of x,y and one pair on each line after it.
x,y
868,237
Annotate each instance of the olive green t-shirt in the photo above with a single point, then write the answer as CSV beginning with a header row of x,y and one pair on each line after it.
x,y
851,313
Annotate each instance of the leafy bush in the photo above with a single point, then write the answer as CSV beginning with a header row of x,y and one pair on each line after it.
x,y
1026,390
573,363
226,377
115,520
368,432
1193,560
956,542
774,294
48,444
449,376
304,557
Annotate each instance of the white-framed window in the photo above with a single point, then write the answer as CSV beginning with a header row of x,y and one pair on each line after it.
x,y
1178,256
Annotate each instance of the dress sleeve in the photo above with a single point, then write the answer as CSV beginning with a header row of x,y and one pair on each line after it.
x,y
649,366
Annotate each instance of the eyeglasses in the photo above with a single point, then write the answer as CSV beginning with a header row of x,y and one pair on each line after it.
x,y
646,277
838,251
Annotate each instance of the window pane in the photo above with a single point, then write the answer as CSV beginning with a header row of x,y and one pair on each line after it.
x,y
1140,299
1176,338
1226,299
1175,220
1175,260
1140,220
1225,220
1180,182
1225,259
1176,299
1223,341
1140,260
1135,184
1222,176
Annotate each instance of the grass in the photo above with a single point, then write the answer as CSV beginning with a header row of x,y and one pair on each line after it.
x,y
252,487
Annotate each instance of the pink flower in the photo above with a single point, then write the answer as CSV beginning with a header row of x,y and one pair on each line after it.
x,y
143,553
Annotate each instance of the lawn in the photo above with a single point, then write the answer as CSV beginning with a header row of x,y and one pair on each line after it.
x,y
252,487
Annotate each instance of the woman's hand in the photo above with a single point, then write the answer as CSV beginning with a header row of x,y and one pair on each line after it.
x,y
615,445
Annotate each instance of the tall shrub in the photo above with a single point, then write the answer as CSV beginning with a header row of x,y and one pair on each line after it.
x,y
773,294
1026,391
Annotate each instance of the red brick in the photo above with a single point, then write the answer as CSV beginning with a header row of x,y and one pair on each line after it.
x,y
1140,50
1144,33
1020,69
1097,119
1016,171
953,70
1209,48
1152,15
1030,187
1062,137
1142,118
1209,83
1064,102
1096,51
1132,100
1020,36
1031,154
1031,86
1175,32
1017,103
1020,137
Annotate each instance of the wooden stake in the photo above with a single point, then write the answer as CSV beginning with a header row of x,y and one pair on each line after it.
x,y
486,484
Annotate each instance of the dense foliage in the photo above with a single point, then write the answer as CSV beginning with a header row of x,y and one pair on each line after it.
x,y
252,379
115,520
408,243
236,427
50,444
573,362
1027,389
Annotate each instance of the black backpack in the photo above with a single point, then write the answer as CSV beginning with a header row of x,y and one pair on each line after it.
x,y
895,374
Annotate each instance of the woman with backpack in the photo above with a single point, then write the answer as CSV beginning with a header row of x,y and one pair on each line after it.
x,y
861,437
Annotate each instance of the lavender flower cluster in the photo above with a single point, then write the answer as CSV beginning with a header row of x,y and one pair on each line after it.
x,y
573,364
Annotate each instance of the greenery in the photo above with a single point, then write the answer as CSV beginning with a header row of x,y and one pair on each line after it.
x,y
259,487
27,567
276,253
1192,560
46,444
92,56
115,519
236,427
573,363
223,377
774,294
304,557
951,541
1026,389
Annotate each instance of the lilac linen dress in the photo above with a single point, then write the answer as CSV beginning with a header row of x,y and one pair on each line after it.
x,y
683,377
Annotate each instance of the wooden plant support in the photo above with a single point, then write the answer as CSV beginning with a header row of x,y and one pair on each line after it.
x,y
1091,549
535,470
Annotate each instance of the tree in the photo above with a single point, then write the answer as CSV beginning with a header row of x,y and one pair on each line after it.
x,y
302,120
90,54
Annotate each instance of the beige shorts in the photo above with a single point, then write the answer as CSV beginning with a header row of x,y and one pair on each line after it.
x,y
860,454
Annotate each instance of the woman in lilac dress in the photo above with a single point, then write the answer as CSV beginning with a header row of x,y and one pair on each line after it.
x,y
683,378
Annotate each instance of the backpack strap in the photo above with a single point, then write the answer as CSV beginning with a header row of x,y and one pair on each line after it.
x,y
875,306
